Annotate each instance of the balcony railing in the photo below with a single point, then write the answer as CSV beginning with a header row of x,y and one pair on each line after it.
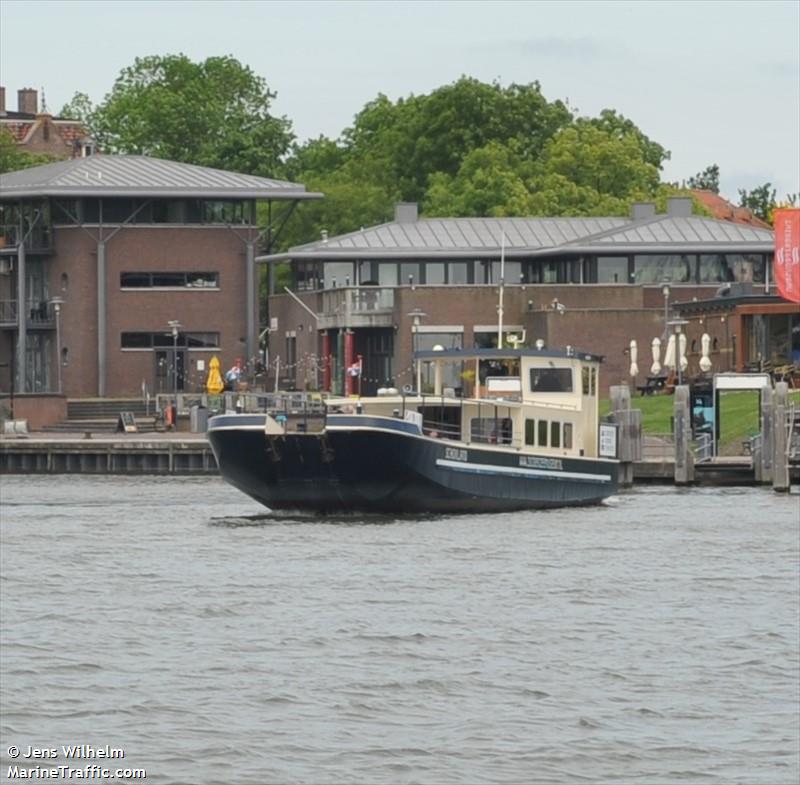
x,y
39,314
361,306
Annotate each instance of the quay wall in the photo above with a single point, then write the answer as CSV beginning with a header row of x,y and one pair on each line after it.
x,y
38,409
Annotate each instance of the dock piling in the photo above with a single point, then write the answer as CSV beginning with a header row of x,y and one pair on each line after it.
x,y
684,458
780,457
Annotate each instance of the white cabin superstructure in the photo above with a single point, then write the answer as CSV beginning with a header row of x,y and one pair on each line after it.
x,y
534,401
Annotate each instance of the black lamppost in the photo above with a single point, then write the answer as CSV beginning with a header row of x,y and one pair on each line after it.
x,y
416,315
175,327
57,302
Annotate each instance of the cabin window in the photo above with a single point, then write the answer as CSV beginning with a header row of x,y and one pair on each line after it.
x,y
530,432
491,430
551,380
542,433
594,381
555,434
567,435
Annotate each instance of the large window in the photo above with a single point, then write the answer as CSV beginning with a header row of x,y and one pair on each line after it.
x,y
169,280
722,268
338,274
150,340
451,371
675,268
612,269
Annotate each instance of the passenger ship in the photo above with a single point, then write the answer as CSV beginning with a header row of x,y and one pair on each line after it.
x,y
521,431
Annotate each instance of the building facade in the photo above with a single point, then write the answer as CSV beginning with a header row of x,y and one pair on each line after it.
x,y
362,302
126,274
38,131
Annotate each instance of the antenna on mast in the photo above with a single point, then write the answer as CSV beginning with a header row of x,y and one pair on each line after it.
x,y
500,294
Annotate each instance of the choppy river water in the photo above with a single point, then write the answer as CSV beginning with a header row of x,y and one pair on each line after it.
x,y
651,640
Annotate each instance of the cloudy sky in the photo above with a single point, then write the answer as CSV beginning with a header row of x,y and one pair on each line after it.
x,y
714,82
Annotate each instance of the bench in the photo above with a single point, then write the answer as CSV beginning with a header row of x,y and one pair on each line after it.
x,y
654,384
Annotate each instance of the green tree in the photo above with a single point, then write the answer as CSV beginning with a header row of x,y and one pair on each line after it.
x,y
212,113
707,180
12,158
402,144
490,182
81,108
760,201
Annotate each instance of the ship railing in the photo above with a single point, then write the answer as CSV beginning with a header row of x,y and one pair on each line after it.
x,y
287,403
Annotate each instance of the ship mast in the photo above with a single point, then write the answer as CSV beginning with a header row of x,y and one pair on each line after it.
x,y
500,295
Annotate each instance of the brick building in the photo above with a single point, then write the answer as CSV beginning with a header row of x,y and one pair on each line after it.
x,y
99,255
39,132
592,283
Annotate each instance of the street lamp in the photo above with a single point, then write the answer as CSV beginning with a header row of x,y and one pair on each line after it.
x,y
665,292
416,315
57,302
175,327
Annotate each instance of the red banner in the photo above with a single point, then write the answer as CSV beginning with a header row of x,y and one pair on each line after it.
x,y
786,268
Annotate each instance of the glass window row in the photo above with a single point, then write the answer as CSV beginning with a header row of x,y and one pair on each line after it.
x,y
154,211
548,433
181,280
157,340
630,269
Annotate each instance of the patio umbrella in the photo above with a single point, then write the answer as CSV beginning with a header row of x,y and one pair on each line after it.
x,y
634,357
705,360
669,355
684,363
655,368
214,383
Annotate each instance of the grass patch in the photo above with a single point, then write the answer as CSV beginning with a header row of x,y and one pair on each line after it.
x,y
738,416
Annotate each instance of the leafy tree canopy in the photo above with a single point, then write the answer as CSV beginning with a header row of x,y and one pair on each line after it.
x,y
760,201
212,113
12,158
707,180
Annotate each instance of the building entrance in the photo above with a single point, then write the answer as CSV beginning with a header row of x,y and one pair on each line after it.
x,y
167,362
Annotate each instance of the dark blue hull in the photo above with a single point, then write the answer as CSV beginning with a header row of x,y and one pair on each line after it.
x,y
391,469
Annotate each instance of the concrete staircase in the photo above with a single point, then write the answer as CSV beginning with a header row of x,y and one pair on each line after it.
x,y
101,415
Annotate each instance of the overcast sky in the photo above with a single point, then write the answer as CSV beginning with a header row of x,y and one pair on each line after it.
x,y
713,82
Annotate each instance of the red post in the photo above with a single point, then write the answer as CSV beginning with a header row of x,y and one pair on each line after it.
x,y
326,361
349,359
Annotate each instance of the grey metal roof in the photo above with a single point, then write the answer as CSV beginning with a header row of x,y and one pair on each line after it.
x,y
693,231
476,238
469,234
139,175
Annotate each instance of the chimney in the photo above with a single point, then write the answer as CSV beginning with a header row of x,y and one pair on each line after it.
x,y
405,212
27,100
679,206
2,100
642,210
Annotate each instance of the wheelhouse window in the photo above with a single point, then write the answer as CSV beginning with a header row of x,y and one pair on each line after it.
x,y
169,280
491,430
551,380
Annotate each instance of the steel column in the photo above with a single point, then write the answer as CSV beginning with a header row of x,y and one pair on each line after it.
x,y
20,374
101,319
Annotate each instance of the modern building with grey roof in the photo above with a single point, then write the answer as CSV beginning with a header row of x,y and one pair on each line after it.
x,y
126,274
592,282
